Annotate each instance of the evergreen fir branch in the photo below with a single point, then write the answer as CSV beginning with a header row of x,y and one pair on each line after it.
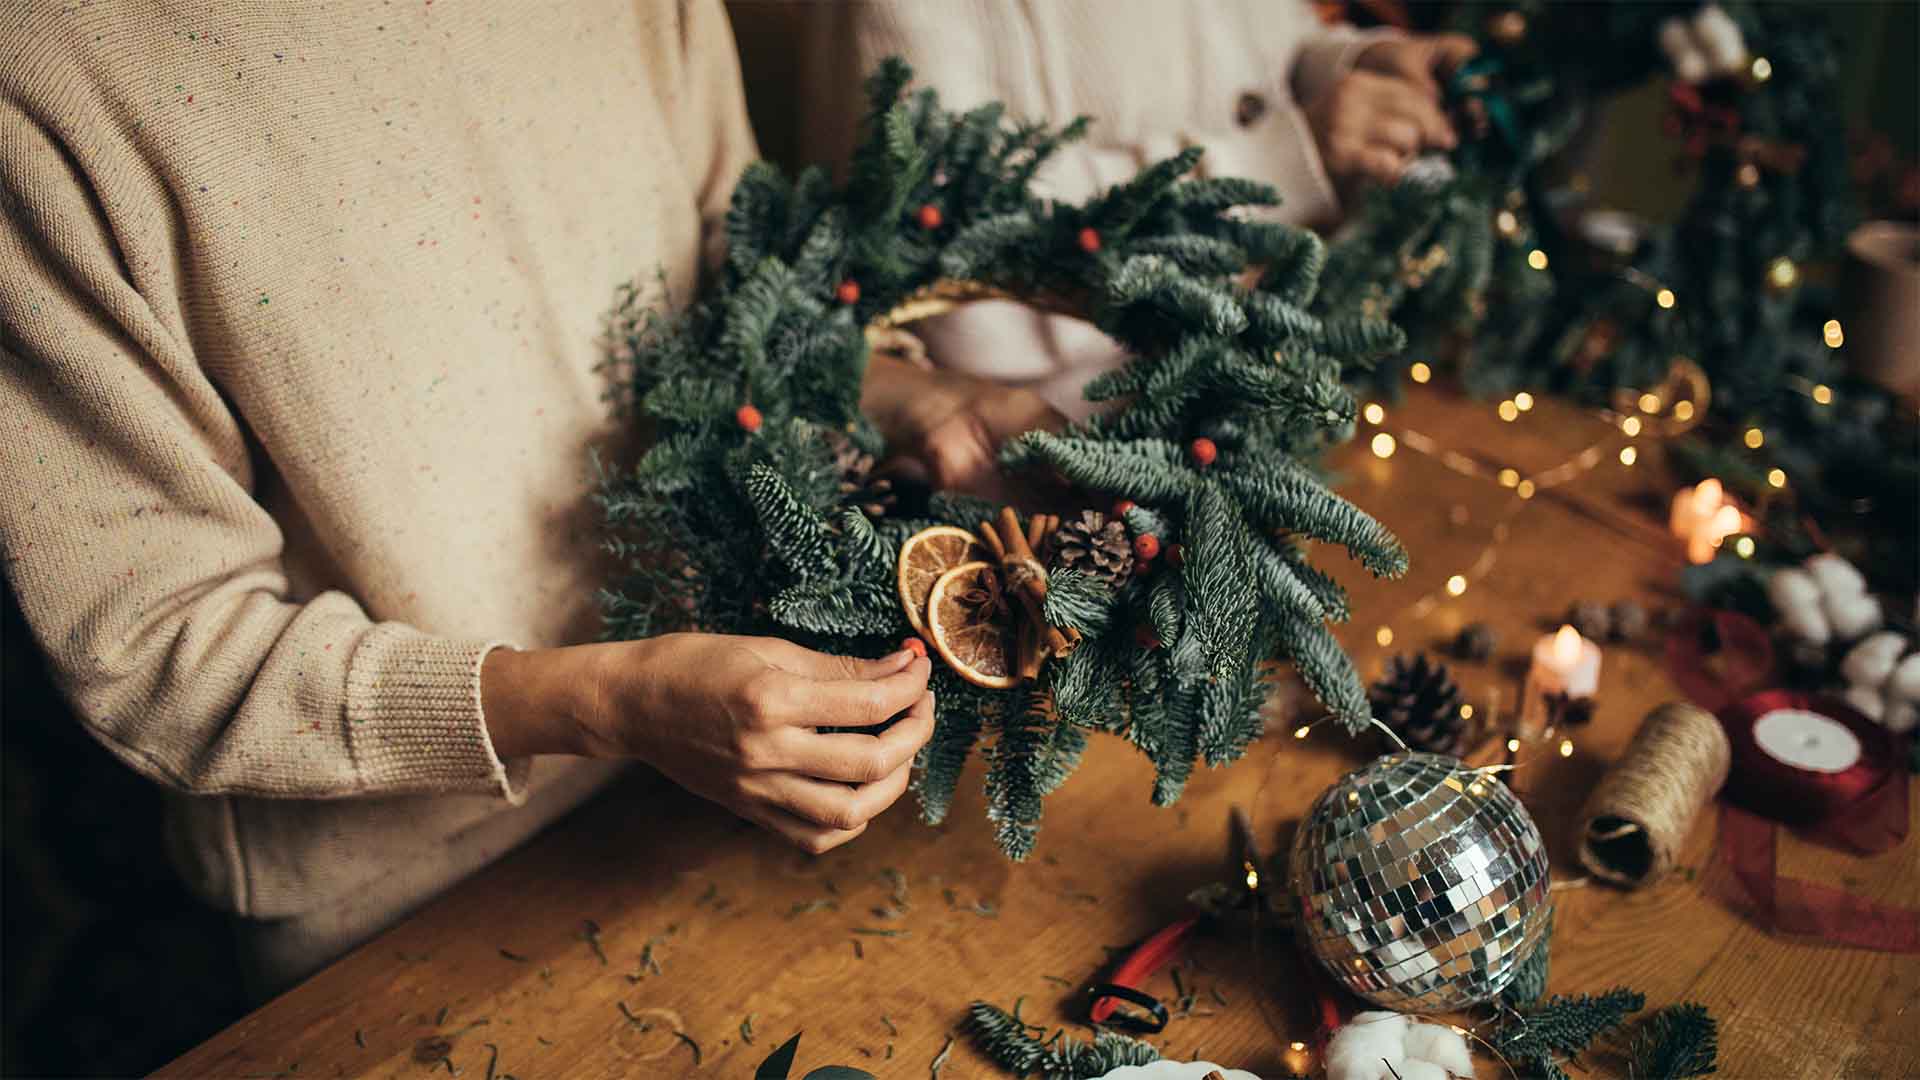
x,y
1566,1026
755,210
986,243
1529,984
1022,770
1327,670
1010,1044
1149,470
797,533
1215,195
1079,600
1677,1042
959,714
1293,501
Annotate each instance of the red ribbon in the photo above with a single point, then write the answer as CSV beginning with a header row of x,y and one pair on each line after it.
x,y
1722,659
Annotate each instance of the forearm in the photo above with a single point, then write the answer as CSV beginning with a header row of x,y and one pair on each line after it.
x,y
536,701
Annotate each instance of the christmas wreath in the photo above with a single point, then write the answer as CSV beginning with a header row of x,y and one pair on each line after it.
x,y
1151,604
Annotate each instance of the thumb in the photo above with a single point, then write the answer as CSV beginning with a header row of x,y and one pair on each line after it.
x,y
1452,50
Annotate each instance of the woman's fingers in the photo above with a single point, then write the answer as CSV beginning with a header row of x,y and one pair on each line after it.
x,y
1380,164
1401,101
853,702
855,757
1400,136
803,834
812,664
827,804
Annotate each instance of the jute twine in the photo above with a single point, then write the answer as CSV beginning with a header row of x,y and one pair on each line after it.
x,y
1639,816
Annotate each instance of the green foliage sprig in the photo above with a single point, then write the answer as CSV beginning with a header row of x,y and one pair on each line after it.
x,y
733,521
1014,1046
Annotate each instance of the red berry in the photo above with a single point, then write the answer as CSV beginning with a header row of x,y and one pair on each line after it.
x,y
1177,556
847,292
915,646
1144,636
747,417
1121,506
931,217
1146,547
1090,240
1203,451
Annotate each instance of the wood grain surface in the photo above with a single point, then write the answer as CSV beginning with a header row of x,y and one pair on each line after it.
x,y
875,950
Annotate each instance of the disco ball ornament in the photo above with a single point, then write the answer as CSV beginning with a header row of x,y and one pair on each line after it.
x,y
1421,884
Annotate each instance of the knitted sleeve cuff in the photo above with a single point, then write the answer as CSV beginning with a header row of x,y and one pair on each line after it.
x,y
1326,59
414,721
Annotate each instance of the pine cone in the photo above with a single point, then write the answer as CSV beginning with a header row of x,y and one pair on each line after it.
x,y
858,486
1419,701
1095,545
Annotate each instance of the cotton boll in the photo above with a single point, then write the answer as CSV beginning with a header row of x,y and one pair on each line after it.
x,y
1796,597
1441,1045
1364,1047
1900,717
1676,41
1808,624
1853,616
1904,683
1413,1069
1835,575
1871,703
1871,662
1720,39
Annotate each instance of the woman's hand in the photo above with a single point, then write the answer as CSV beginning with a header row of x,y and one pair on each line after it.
x,y
952,425
732,719
1386,111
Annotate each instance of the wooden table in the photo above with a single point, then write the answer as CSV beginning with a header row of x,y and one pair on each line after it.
x,y
705,923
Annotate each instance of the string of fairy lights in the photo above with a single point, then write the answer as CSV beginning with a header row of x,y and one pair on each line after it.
x,y
1635,417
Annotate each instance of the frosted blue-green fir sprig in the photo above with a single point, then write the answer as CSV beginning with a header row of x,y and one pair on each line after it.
x,y
737,521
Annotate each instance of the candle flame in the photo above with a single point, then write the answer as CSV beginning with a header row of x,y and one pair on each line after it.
x,y
1725,522
1566,647
1708,495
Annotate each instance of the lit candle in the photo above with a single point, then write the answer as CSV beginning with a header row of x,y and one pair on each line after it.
x,y
1707,536
1561,681
1693,506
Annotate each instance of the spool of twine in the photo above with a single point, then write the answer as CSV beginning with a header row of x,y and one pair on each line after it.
x,y
1636,820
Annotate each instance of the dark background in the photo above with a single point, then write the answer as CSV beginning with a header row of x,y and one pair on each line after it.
x,y
111,969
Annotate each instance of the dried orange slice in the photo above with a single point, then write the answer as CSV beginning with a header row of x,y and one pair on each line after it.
x,y
923,558
979,651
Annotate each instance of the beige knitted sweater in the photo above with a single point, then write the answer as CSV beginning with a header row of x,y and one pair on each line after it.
x,y
298,316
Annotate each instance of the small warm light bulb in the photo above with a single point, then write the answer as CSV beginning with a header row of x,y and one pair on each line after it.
x,y
1566,646
1631,425
1354,797
1664,298
1755,438
1507,222
1649,403
1509,478
1537,259
1762,69
1296,1046
1384,635
1513,746
1822,394
1253,878
1301,731
1524,489
1420,372
1476,788
1832,334
1383,445
1466,712
1456,585
1566,747
1629,455
1776,478
1523,401
1683,411
1509,411
1743,547
1374,412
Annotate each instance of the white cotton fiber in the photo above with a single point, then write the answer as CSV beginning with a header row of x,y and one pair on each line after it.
x,y
1853,616
1365,1045
1871,702
1871,662
1904,683
1440,1045
1835,575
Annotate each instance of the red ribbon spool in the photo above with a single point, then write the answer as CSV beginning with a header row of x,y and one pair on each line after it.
x,y
1775,789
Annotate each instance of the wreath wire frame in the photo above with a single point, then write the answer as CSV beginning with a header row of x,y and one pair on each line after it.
x,y
732,526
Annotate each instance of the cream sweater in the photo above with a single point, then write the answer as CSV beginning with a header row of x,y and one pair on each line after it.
x,y
298,315
1156,76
